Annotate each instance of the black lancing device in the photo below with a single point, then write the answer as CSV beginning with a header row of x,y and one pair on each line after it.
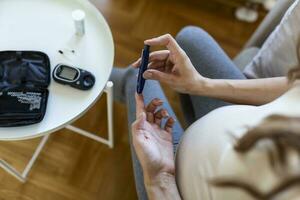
x,y
144,65
74,77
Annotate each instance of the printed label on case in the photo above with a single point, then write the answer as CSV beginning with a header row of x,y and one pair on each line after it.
x,y
32,98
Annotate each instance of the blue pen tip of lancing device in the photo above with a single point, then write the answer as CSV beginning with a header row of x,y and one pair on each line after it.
x,y
144,65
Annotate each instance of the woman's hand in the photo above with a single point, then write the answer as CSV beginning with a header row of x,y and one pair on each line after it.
x,y
172,67
152,143
154,148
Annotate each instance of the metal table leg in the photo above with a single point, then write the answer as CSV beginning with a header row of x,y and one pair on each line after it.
x,y
110,140
22,176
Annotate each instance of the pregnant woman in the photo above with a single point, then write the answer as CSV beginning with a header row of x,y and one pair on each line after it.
x,y
220,155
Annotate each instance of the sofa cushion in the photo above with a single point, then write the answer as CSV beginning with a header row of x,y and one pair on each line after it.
x,y
279,53
245,57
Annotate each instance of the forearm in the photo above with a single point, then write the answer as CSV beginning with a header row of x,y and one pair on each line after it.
x,y
162,187
251,91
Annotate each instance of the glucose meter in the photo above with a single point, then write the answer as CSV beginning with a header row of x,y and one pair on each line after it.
x,y
74,77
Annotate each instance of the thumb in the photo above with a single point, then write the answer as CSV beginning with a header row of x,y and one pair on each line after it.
x,y
157,75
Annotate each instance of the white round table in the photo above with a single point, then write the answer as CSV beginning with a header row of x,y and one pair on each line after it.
x,y
47,26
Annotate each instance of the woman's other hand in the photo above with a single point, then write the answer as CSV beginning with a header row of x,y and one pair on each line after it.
x,y
172,67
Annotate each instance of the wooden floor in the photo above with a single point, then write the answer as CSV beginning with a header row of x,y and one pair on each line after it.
x,y
72,167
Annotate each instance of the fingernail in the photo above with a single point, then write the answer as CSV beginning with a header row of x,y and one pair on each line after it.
x,y
160,101
167,114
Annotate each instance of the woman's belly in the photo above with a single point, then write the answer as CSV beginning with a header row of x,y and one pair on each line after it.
x,y
205,152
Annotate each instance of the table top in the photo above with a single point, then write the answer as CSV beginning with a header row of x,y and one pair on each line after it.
x,y
47,26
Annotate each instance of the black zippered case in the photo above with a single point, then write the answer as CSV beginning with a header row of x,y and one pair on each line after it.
x,y
24,79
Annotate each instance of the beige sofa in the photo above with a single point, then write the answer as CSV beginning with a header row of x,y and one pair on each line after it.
x,y
261,34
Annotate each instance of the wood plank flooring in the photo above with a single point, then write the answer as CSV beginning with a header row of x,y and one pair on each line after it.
x,y
72,167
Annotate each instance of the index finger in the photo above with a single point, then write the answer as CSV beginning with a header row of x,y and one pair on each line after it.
x,y
165,40
140,105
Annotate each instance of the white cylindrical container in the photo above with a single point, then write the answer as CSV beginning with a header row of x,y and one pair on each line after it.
x,y
79,18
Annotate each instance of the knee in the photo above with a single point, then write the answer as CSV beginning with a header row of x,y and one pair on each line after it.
x,y
189,35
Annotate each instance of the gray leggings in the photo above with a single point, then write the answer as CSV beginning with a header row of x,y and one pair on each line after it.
x,y
209,60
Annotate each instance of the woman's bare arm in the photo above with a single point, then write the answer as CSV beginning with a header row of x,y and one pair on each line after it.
x,y
173,68
251,91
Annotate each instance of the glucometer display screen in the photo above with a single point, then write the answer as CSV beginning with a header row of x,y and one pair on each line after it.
x,y
68,73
